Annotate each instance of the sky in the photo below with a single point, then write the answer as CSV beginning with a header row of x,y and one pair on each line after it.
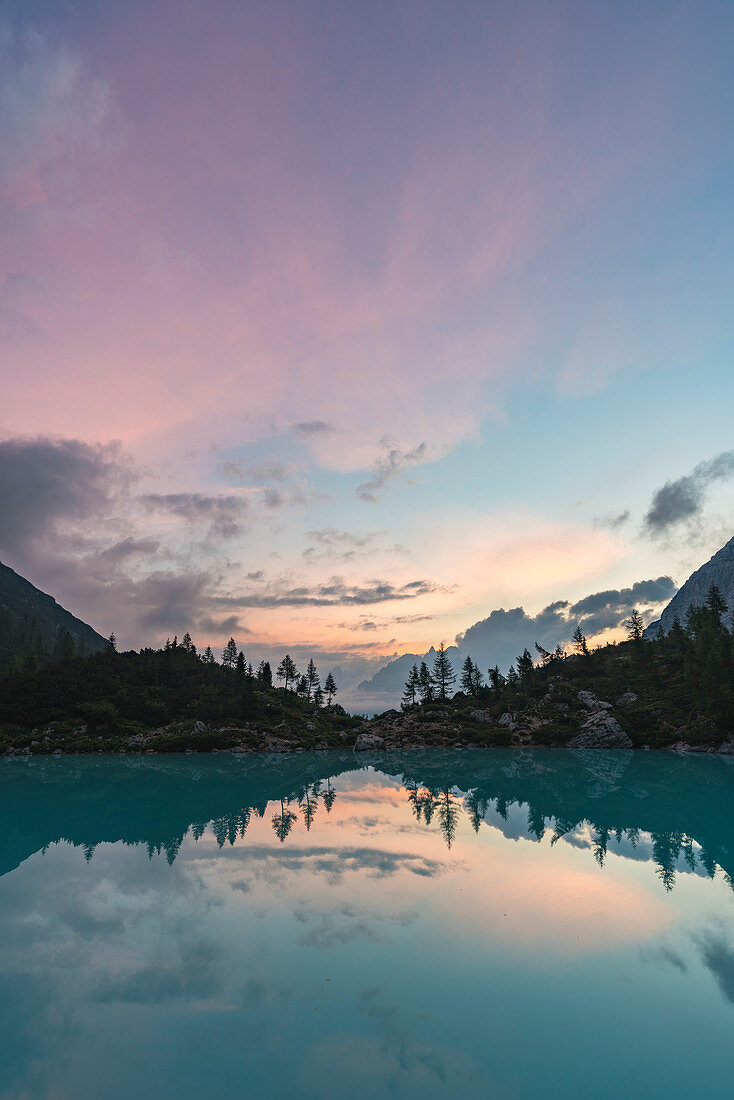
x,y
340,327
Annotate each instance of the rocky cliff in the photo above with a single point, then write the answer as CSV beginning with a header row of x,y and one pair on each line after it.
x,y
719,571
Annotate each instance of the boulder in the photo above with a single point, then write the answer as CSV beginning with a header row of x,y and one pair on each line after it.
x,y
626,699
480,715
591,702
601,731
199,727
369,742
508,722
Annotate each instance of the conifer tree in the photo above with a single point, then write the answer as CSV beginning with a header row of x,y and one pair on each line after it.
x,y
579,641
412,687
425,684
287,671
241,666
496,679
443,674
111,646
229,654
635,626
312,677
716,603
302,687
186,643
318,696
467,674
524,664
330,688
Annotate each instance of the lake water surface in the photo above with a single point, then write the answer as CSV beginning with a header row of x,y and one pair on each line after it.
x,y
505,924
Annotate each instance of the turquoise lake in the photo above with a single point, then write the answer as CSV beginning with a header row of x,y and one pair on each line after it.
x,y
501,923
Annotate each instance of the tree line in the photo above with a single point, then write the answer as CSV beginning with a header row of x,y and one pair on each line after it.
x,y
307,685
695,659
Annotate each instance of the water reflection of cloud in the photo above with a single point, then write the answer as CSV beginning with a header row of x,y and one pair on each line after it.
x,y
718,956
334,862
345,923
393,1059
664,953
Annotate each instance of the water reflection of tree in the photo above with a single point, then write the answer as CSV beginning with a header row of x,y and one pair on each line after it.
x,y
449,812
284,821
600,802
308,804
329,796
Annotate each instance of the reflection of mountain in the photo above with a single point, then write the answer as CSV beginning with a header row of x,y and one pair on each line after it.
x,y
683,805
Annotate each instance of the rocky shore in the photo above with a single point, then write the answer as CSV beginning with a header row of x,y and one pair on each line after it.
x,y
586,722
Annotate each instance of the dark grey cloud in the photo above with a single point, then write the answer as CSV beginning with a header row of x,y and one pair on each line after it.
x,y
166,600
128,548
682,501
230,625
335,593
610,608
387,467
224,514
312,427
45,482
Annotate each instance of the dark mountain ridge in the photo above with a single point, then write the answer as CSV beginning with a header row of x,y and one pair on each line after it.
x,y
33,626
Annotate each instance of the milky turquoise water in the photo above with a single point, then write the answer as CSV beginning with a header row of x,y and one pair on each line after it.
x,y
322,925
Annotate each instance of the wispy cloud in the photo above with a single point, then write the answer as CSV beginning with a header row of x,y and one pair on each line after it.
x,y
387,466
335,593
